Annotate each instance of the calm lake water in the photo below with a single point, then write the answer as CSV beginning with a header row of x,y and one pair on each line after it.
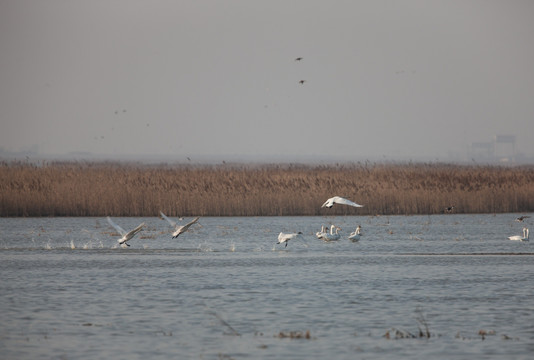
x,y
224,290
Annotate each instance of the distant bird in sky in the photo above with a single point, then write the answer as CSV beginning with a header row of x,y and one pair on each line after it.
x,y
126,236
179,229
284,238
519,237
521,218
339,200
302,82
298,59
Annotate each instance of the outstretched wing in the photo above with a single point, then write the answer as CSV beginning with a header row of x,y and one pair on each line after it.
x,y
131,233
117,227
340,200
186,226
173,223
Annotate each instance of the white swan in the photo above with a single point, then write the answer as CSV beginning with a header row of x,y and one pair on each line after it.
x,y
284,238
126,236
332,236
321,233
355,236
179,229
518,237
339,200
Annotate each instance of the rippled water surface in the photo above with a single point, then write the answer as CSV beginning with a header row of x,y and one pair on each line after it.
x,y
224,290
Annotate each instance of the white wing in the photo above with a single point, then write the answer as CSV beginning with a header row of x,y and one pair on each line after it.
x,y
340,200
173,223
117,227
328,203
131,233
186,226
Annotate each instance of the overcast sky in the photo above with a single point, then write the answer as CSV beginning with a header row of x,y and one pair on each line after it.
x,y
383,79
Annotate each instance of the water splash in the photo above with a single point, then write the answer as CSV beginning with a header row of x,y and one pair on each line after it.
x,y
72,244
205,248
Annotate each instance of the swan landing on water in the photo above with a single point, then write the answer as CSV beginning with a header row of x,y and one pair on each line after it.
x,y
126,236
339,200
179,229
518,237
284,238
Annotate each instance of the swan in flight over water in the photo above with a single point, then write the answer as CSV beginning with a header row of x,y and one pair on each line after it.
x,y
126,236
355,236
339,200
284,238
332,236
518,237
179,229
521,218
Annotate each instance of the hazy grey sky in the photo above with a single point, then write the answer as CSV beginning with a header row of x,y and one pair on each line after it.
x,y
383,78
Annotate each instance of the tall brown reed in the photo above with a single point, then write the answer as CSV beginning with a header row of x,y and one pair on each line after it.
x,y
99,189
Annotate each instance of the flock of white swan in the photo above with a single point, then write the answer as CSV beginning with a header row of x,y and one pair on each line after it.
x,y
324,234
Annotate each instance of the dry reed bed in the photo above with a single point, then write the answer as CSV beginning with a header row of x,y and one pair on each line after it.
x,y
99,189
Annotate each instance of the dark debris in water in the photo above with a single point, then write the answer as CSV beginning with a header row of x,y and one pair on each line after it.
x,y
483,334
400,334
294,335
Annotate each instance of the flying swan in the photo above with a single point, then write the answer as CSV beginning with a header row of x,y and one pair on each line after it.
x,y
126,236
284,238
339,200
518,237
179,229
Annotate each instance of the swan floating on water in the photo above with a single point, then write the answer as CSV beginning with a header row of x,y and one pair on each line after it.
x,y
126,236
179,229
321,233
339,200
518,237
355,236
284,238
332,236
